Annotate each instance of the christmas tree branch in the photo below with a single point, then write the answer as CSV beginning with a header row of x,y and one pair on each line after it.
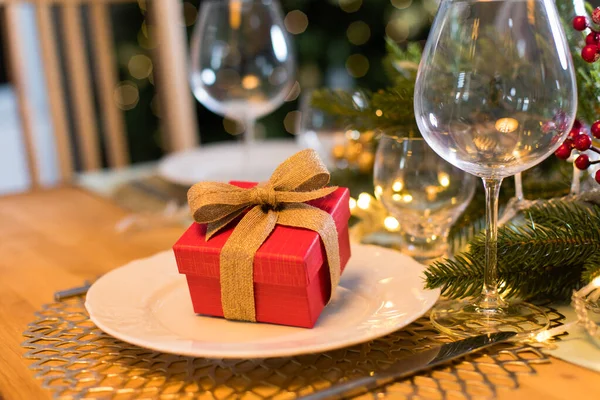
x,y
555,252
591,268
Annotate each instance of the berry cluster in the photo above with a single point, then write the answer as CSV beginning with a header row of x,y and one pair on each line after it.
x,y
580,140
591,51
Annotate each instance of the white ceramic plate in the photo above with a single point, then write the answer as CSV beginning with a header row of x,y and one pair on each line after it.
x,y
147,303
224,162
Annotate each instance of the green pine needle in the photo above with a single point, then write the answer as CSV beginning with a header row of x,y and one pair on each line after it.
x,y
591,268
556,251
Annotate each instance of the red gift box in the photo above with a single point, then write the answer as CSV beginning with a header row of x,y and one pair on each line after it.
x,y
291,276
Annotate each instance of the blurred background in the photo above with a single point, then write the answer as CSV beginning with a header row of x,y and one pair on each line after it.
x,y
339,44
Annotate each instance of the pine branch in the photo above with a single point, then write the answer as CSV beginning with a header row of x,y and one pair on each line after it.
x,y
591,268
337,103
390,111
524,246
457,278
572,214
402,64
554,253
463,277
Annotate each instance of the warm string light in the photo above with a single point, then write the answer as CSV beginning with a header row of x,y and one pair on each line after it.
x,y
370,209
235,14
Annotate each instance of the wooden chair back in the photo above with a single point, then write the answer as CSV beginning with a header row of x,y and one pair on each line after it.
x,y
84,143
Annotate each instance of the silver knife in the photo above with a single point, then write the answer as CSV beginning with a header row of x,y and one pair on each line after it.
x,y
410,365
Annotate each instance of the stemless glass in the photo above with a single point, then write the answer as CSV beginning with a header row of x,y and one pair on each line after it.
x,y
423,192
242,64
494,79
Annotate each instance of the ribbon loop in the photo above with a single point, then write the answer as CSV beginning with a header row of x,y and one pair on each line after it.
x,y
299,179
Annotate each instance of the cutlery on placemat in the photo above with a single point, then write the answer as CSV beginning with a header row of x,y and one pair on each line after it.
x,y
72,292
411,365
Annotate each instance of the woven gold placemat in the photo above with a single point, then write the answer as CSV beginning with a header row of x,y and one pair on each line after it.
x,y
76,360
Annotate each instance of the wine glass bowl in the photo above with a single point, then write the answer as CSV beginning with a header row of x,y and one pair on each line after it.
x,y
423,192
495,95
242,63
495,79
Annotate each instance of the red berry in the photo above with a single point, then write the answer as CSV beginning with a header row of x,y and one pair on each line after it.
x,y
580,23
570,143
596,129
590,53
577,125
592,38
596,15
582,162
583,142
598,176
563,152
574,133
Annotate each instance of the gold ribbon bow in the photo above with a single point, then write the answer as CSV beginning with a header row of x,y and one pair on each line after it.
x,y
281,200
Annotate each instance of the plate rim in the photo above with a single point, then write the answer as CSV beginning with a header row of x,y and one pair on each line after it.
x,y
163,163
252,354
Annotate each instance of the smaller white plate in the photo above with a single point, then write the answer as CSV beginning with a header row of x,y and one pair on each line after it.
x,y
147,303
224,162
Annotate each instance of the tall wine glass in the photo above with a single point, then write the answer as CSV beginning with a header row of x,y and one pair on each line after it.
x,y
242,63
493,78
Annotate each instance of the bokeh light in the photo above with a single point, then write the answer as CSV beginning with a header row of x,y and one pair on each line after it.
x,y
140,66
250,82
391,224
401,4
290,122
358,33
233,127
357,65
296,22
397,29
364,200
350,6
126,95
294,92
190,13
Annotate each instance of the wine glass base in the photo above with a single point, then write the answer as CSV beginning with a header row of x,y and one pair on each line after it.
x,y
462,318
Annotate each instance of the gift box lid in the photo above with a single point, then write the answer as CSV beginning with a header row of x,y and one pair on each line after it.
x,y
289,256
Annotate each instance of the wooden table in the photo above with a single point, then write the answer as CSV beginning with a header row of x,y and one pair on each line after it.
x,y
52,240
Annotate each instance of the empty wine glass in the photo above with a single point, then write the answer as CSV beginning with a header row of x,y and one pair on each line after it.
x,y
494,77
242,64
321,131
423,192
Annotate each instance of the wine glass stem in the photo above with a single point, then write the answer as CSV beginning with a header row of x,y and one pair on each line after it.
x,y
490,299
575,183
519,187
250,133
